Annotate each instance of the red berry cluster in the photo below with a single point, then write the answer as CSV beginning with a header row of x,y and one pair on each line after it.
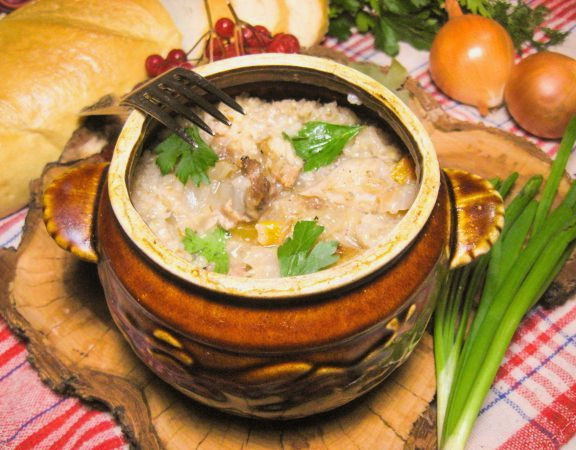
x,y
244,39
229,39
156,65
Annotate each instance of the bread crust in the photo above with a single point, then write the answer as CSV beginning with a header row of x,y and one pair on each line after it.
x,y
59,56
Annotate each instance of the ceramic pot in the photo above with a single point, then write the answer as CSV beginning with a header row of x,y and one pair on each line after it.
x,y
276,348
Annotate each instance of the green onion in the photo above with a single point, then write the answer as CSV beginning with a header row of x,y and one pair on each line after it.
x,y
447,353
480,345
518,206
526,296
534,245
507,184
451,336
556,173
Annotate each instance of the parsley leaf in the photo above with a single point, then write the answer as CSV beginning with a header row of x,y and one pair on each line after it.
x,y
352,6
481,7
385,37
341,27
523,21
364,22
211,246
390,21
176,155
298,255
320,143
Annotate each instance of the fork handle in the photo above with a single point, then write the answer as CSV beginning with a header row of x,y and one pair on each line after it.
x,y
70,203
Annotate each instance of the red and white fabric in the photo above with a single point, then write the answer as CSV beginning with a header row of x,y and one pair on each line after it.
x,y
532,405
34,417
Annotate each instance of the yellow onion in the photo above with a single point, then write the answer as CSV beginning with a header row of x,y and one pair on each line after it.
x,y
541,93
471,59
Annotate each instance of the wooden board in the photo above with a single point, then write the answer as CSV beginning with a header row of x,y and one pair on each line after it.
x,y
56,303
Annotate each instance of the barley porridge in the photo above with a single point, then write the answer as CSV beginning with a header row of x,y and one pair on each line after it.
x,y
281,163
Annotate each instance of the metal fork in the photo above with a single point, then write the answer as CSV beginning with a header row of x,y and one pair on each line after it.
x,y
173,93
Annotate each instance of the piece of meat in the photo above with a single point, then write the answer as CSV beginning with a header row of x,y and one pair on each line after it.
x,y
315,203
229,206
259,191
362,184
281,161
248,260
230,217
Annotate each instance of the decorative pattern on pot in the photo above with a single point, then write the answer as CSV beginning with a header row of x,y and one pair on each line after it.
x,y
272,386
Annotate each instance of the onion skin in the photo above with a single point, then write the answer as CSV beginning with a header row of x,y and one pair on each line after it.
x,y
471,59
541,93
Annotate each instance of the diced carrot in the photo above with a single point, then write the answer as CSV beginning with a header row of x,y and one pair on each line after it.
x,y
246,231
270,232
403,171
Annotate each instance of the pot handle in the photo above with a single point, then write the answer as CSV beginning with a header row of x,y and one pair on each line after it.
x,y
478,215
70,204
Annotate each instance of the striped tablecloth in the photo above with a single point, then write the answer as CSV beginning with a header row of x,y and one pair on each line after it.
x,y
531,406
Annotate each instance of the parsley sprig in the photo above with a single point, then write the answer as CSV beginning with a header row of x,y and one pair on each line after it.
x,y
320,143
176,155
522,22
212,246
390,21
302,254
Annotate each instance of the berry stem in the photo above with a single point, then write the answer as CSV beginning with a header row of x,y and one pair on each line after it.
x,y
236,18
198,43
209,13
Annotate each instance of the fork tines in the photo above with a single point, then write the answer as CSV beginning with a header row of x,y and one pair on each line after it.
x,y
173,93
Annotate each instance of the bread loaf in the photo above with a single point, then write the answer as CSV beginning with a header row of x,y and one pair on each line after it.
x,y
59,56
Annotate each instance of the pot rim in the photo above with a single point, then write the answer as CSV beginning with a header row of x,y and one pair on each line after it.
x,y
365,264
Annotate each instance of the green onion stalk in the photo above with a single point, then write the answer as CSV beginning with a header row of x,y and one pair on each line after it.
x,y
533,246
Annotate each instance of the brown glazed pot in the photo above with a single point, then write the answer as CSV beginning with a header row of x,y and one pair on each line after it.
x,y
281,348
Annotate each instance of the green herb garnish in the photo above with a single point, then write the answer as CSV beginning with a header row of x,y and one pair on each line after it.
x,y
482,7
320,143
390,21
522,22
176,155
212,246
469,347
300,254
